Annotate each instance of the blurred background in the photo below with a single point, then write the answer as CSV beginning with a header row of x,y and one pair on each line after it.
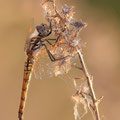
x,y
50,99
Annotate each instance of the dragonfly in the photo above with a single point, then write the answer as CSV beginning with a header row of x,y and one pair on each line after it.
x,y
35,42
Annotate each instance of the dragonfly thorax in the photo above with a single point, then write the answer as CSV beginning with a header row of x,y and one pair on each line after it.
x,y
36,39
34,47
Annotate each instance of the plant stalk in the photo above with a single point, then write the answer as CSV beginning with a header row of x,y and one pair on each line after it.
x,y
89,79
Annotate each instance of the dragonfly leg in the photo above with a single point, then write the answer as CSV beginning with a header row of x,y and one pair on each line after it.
x,y
52,58
56,40
50,27
47,40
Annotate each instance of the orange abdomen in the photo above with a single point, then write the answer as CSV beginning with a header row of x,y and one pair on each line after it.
x,y
28,67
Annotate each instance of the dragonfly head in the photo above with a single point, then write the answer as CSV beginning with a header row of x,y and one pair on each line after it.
x,y
43,29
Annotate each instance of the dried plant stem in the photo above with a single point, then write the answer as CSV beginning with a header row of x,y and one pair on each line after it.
x,y
89,79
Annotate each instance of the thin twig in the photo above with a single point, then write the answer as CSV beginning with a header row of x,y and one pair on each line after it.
x,y
90,85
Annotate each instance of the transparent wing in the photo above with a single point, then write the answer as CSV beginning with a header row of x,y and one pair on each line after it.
x,y
29,34
43,67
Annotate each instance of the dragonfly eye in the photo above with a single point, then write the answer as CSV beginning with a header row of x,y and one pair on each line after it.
x,y
39,28
42,29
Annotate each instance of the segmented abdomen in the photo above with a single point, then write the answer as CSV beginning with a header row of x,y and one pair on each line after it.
x,y
28,67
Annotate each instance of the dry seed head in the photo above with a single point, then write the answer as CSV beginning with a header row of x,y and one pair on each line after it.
x,y
66,29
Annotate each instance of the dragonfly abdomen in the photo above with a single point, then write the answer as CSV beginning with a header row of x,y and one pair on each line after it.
x,y
28,67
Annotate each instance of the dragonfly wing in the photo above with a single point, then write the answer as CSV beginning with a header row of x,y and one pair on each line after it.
x,y
28,35
43,67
